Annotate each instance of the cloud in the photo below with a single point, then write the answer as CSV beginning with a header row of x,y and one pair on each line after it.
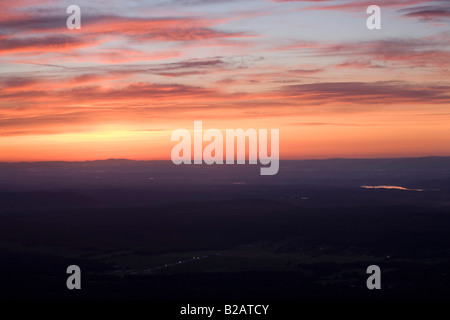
x,y
385,92
425,52
74,77
201,2
429,51
17,82
50,109
14,5
44,120
147,92
428,13
39,45
163,29
319,124
350,5
189,67
29,23
109,38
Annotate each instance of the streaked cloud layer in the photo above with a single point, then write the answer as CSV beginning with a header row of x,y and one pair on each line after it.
x,y
138,70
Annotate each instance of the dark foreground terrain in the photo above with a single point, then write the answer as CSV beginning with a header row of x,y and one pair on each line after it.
x,y
142,230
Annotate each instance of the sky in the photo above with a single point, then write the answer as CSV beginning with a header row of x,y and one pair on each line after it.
x,y
138,70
